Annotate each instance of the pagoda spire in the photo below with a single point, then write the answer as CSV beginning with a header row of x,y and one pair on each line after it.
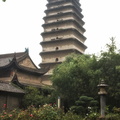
x,y
63,32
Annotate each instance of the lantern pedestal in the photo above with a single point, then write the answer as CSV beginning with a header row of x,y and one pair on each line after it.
x,y
102,94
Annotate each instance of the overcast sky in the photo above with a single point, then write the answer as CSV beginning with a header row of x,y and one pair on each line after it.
x,y
21,20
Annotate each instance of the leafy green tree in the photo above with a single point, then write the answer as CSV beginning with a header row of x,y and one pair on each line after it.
x,y
32,97
73,77
36,96
79,75
3,0
109,66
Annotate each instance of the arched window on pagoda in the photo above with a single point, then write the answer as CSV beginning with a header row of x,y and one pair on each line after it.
x,y
57,48
56,60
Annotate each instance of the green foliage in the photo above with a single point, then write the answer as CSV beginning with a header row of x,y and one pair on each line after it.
x,y
115,115
92,116
109,65
85,105
3,0
32,97
116,110
72,78
111,47
46,90
112,116
36,97
79,75
48,112
70,116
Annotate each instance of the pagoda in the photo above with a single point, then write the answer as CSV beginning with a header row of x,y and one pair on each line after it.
x,y
63,33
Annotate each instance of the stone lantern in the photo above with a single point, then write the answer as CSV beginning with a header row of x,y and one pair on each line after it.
x,y
102,86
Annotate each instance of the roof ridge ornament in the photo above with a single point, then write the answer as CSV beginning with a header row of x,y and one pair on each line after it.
x,y
14,54
14,57
27,50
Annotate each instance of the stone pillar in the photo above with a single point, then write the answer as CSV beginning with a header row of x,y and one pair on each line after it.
x,y
102,94
58,102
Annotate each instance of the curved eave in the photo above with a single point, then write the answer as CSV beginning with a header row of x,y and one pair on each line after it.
x,y
65,21
19,59
27,84
67,50
15,64
50,63
26,55
32,71
78,11
16,81
8,65
11,55
10,88
64,40
61,7
64,14
62,1
63,30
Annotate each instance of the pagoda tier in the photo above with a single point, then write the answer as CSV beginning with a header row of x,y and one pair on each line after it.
x,y
63,32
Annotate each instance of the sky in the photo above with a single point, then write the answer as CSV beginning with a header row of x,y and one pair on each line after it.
x,y
21,25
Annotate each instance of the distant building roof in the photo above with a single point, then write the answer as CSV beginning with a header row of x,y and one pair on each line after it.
x,y
7,58
13,59
10,87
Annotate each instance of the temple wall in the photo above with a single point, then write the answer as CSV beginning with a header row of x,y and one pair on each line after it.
x,y
27,63
46,80
29,78
5,79
11,101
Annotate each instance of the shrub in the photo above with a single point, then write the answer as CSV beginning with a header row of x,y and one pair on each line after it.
x,y
116,110
112,116
47,112
36,97
71,116
92,116
84,105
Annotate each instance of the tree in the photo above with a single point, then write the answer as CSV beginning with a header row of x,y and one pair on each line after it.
x,y
72,78
38,96
32,97
3,0
109,67
79,75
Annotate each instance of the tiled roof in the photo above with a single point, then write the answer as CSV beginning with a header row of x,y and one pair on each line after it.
x,y
7,58
13,59
10,87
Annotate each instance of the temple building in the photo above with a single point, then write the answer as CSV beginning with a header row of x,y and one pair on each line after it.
x,y
20,65
17,71
63,33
